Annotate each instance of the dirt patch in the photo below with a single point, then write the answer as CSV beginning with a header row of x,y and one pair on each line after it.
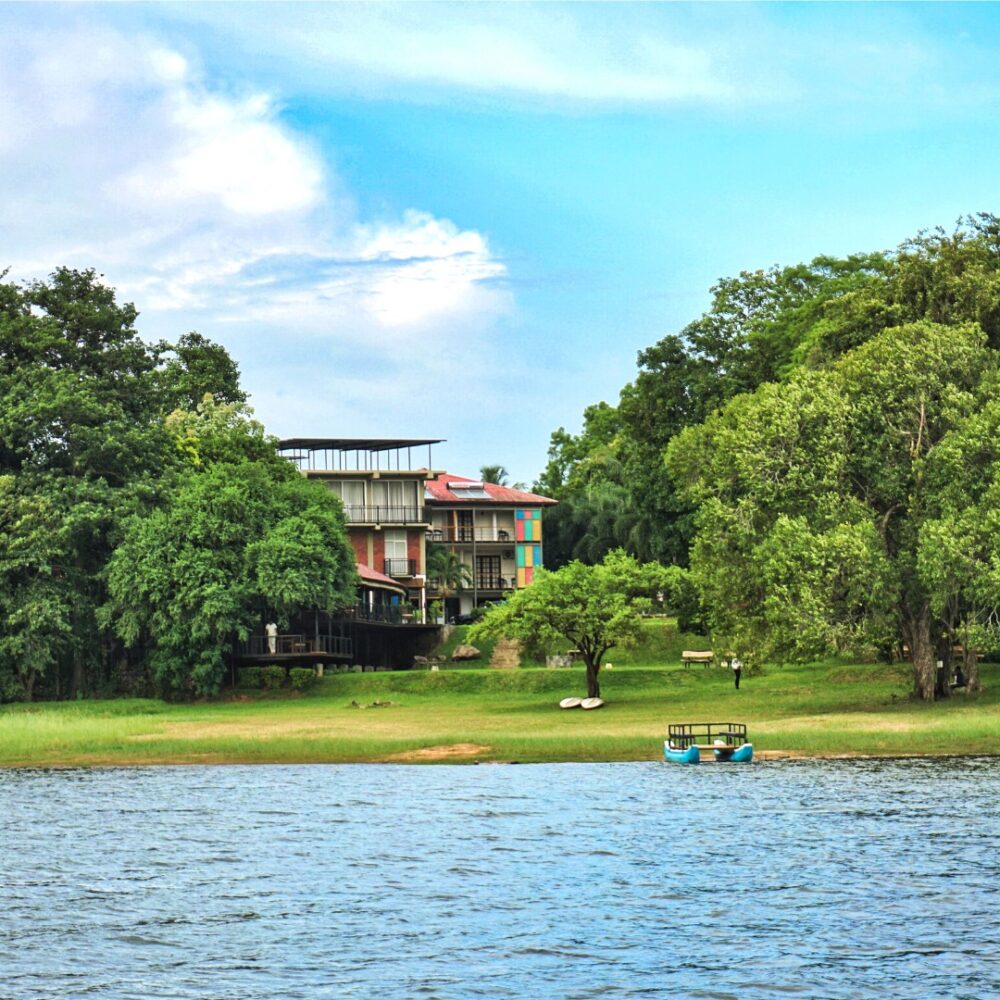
x,y
448,751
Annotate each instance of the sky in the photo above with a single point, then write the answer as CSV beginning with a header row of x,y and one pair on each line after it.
x,y
465,221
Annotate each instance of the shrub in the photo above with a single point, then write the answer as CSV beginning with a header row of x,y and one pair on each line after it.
x,y
272,677
251,677
301,677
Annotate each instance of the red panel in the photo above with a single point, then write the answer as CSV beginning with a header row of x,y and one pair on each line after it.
x,y
413,549
359,539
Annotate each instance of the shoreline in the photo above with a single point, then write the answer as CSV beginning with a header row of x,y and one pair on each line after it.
x,y
419,758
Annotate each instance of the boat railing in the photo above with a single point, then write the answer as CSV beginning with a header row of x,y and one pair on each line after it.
x,y
687,734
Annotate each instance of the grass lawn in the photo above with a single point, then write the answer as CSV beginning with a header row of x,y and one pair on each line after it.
x,y
468,715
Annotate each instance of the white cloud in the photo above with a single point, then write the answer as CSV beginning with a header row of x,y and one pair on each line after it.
x,y
204,207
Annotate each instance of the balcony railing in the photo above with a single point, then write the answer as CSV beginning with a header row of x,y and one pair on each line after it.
x,y
385,614
400,567
469,534
380,514
489,582
295,645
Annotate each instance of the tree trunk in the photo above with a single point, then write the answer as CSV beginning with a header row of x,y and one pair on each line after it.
x,y
76,684
917,629
593,688
970,667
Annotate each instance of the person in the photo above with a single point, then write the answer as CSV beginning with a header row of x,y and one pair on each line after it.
x,y
737,670
960,681
271,630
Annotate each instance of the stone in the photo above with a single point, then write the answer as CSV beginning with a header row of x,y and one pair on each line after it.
x,y
466,652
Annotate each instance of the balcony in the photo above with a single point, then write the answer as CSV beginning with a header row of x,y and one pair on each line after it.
x,y
489,582
400,568
379,514
465,533
294,645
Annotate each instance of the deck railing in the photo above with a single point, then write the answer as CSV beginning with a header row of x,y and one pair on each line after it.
x,y
469,534
294,644
400,567
380,514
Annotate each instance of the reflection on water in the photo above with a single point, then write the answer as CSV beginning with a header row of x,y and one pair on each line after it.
x,y
818,879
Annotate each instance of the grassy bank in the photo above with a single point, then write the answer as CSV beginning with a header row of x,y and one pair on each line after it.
x,y
467,715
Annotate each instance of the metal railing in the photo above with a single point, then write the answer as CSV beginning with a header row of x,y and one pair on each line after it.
x,y
380,514
400,567
292,644
469,534
386,614
489,582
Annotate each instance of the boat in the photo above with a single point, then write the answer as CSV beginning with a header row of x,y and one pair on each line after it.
x,y
676,755
727,742
570,703
591,703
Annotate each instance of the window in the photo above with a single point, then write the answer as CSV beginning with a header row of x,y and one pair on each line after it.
x,y
396,561
351,492
395,493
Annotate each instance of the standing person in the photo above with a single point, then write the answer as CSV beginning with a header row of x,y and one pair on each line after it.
x,y
737,670
271,630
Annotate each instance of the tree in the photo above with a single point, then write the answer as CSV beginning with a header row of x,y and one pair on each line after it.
x,y
231,543
446,566
196,367
813,494
81,433
592,607
498,475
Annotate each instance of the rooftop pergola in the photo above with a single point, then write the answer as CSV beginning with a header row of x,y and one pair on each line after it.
x,y
335,454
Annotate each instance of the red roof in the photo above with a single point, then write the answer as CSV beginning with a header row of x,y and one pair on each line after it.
x,y
369,575
438,492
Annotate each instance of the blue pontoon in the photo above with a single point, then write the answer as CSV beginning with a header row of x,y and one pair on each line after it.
x,y
725,741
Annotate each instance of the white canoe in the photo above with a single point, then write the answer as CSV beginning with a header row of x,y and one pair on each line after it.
x,y
570,703
591,703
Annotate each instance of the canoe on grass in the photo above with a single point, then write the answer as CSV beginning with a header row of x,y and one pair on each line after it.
x,y
591,703
570,703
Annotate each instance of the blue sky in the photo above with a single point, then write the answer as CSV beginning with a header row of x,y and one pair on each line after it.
x,y
464,221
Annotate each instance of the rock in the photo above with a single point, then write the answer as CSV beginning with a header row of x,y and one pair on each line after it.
x,y
419,659
466,652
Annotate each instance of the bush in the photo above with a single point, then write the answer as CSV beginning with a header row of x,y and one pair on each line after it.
x,y
272,677
251,677
302,677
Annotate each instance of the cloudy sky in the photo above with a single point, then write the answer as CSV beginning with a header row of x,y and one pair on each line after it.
x,y
464,221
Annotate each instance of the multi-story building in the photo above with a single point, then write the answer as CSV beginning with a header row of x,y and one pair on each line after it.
x,y
395,506
382,490
495,531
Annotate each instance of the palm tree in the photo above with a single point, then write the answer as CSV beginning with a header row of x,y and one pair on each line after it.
x,y
498,475
446,566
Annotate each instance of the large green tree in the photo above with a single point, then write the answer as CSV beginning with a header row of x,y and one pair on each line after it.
x,y
231,542
813,496
594,608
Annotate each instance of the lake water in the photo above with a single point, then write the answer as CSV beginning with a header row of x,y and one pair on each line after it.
x,y
818,879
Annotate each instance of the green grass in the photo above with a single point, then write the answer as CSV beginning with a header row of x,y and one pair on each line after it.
x,y
821,709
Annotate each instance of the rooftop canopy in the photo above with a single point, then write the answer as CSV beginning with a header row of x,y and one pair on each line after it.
x,y
343,454
353,444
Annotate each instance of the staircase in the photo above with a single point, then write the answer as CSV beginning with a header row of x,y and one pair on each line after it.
x,y
506,655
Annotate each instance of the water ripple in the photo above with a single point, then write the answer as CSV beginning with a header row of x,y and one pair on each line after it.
x,y
823,879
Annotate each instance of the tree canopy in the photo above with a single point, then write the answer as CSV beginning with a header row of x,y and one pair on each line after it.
x,y
825,471
101,434
594,608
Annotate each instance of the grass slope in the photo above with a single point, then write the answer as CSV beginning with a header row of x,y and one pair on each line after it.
x,y
826,708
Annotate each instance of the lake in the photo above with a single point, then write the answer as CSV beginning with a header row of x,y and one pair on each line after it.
x,y
819,879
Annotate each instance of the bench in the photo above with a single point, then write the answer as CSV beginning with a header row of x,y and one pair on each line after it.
x,y
705,656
